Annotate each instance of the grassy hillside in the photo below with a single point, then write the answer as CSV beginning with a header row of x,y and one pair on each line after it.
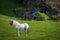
x,y
39,30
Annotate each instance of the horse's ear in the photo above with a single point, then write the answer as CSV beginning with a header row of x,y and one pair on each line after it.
x,y
11,23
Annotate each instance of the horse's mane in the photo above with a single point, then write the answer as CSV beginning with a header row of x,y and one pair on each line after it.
x,y
16,21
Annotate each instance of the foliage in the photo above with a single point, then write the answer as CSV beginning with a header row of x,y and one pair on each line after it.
x,y
44,16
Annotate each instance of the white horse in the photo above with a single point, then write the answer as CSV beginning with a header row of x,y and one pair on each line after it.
x,y
19,26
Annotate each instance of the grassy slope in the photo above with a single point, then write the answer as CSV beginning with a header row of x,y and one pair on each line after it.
x,y
39,30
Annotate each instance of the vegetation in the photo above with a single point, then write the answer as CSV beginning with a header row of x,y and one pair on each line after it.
x,y
44,16
39,30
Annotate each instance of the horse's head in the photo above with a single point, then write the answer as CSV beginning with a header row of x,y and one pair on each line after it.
x,y
11,23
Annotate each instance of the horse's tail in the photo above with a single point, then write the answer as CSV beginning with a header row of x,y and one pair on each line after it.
x,y
27,28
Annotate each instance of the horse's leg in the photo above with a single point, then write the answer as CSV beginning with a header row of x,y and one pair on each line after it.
x,y
17,31
27,30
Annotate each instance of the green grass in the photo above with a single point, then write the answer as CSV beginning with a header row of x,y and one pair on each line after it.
x,y
39,30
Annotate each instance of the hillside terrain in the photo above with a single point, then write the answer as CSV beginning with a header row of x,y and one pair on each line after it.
x,y
39,30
